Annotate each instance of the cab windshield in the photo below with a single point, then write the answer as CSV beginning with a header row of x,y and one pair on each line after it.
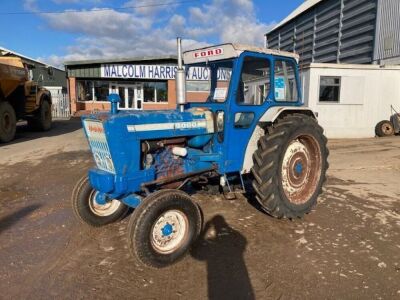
x,y
208,82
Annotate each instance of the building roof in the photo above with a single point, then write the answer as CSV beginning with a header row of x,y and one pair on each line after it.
x,y
7,51
351,66
226,51
298,11
119,60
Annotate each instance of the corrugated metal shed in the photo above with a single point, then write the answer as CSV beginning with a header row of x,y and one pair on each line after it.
x,y
328,31
387,45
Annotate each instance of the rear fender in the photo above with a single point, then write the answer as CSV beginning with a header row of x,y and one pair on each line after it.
x,y
276,112
269,117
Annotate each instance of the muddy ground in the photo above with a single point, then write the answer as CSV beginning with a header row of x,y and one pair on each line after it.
x,y
348,248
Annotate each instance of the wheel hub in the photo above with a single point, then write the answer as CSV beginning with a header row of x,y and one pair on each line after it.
x,y
301,169
298,168
387,129
169,231
103,210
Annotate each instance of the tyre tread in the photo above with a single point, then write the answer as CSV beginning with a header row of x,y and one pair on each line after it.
x,y
266,168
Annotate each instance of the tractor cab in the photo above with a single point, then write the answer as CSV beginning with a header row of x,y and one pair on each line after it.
x,y
239,84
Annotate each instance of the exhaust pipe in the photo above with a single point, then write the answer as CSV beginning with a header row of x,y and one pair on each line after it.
x,y
180,79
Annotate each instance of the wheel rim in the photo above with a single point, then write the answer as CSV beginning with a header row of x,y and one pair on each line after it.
x,y
169,231
102,210
387,129
301,169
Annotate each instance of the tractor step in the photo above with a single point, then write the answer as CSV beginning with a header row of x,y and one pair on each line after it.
x,y
230,190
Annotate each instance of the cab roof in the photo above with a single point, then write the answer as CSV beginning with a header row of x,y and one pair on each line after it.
x,y
226,51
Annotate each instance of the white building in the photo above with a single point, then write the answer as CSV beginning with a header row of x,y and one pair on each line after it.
x,y
351,99
348,51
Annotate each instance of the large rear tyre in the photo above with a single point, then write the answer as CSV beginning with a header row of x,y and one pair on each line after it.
x,y
8,122
290,166
89,212
384,128
43,118
163,227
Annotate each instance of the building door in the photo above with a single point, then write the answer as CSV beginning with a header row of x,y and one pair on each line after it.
x,y
131,95
139,96
120,90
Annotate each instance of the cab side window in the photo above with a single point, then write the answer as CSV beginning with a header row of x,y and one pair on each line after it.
x,y
285,81
254,85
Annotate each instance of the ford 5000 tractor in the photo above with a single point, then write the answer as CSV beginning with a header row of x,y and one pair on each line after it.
x,y
251,127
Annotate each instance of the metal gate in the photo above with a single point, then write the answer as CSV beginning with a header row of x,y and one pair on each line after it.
x,y
60,107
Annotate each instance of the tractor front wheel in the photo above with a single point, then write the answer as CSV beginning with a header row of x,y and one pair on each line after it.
x,y
163,227
290,166
88,211
384,128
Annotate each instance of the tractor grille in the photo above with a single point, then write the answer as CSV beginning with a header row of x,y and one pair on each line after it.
x,y
98,145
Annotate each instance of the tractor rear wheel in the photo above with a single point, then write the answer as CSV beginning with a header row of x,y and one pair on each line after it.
x,y
290,166
163,227
384,128
88,211
8,122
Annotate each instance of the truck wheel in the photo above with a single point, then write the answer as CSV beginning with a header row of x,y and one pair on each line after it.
x,y
88,211
384,128
163,227
290,166
8,122
42,120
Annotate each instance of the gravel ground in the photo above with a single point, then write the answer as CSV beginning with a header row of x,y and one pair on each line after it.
x,y
347,248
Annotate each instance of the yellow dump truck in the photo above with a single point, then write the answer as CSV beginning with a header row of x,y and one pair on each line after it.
x,y
21,99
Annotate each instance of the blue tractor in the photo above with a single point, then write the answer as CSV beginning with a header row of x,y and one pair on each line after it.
x,y
248,125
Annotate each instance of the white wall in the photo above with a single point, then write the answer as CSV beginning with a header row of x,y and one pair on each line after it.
x,y
54,90
367,91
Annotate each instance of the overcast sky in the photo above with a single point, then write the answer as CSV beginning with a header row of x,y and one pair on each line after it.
x,y
132,31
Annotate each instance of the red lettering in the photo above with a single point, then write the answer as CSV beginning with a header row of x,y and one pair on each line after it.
x,y
95,129
208,53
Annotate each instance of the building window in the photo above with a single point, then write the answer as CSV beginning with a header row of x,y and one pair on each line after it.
x,y
329,89
88,90
155,92
197,86
84,90
285,81
101,90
